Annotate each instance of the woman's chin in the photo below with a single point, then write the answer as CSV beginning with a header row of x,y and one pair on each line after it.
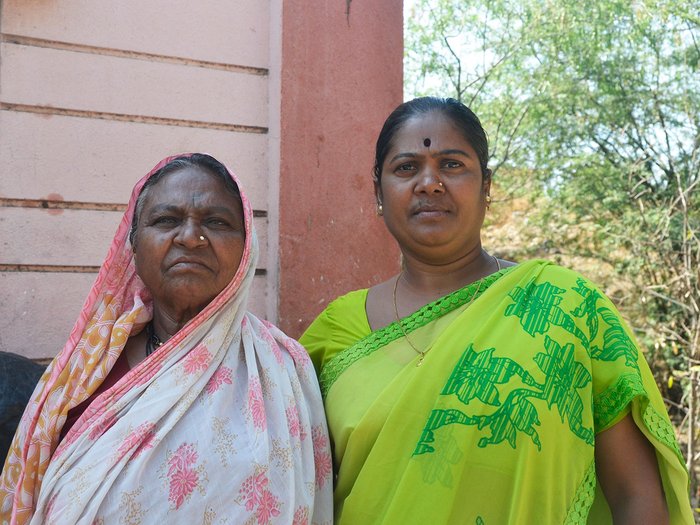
x,y
429,238
185,298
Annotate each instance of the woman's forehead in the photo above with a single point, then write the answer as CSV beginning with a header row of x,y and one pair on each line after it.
x,y
192,183
433,121
429,131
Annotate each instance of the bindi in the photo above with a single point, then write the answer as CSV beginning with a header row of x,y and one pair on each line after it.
x,y
426,142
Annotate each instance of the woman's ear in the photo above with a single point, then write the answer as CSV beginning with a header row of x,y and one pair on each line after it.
x,y
133,240
487,181
377,190
378,196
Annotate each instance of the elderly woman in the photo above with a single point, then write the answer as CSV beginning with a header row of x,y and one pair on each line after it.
x,y
171,403
467,389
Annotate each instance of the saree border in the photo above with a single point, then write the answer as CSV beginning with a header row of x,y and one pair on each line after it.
x,y
612,401
583,499
421,317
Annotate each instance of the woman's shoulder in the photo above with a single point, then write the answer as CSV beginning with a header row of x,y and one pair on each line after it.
x,y
545,270
344,313
349,303
338,326
337,313
562,285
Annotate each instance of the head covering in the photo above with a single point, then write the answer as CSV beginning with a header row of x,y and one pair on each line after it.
x,y
223,421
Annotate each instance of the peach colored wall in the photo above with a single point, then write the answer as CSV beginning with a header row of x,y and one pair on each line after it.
x,y
341,76
92,94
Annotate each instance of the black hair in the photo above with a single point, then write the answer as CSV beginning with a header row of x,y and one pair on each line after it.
x,y
463,117
199,160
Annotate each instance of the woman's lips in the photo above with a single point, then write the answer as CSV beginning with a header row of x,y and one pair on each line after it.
x,y
188,262
429,212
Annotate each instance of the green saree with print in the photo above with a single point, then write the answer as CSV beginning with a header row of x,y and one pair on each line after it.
x,y
498,424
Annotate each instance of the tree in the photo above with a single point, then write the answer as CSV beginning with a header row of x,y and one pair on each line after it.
x,y
593,112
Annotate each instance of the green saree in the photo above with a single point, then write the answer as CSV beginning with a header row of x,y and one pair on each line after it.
x,y
498,424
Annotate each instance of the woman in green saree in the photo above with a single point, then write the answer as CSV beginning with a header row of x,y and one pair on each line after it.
x,y
471,390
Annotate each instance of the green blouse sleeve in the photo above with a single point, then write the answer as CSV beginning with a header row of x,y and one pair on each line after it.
x,y
339,326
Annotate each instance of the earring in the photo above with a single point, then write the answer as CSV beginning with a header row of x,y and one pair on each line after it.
x,y
380,209
488,202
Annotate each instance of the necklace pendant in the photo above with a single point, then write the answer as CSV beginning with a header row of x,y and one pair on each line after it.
x,y
420,361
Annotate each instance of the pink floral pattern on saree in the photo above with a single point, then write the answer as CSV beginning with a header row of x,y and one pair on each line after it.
x,y
322,455
267,336
255,495
299,354
223,375
197,359
301,516
181,474
103,425
118,278
292,414
278,354
256,405
141,438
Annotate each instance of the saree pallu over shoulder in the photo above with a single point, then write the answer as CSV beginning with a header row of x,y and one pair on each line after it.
x,y
498,425
223,423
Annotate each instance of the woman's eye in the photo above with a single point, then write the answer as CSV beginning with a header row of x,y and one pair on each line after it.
x,y
404,168
164,221
451,164
217,222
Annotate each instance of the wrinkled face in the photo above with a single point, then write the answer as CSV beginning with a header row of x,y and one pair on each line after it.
x,y
181,270
432,190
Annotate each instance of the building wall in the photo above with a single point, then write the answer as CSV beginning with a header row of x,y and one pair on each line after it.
x,y
93,93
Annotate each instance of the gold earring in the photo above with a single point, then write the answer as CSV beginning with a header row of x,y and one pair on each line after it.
x,y
380,209
488,202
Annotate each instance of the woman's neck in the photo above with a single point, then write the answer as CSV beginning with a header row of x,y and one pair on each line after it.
x,y
431,280
167,325
420,283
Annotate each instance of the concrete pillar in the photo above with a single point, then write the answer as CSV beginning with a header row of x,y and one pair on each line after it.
x,y
341,76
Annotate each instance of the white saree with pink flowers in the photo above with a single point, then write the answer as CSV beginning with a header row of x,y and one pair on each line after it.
x,y
221,424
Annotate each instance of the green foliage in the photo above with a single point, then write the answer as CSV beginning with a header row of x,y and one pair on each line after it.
x,y
599,75
593,114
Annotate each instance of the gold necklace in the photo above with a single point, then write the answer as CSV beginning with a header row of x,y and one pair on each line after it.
x,y
398,320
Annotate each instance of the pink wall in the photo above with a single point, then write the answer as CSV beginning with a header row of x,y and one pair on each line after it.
x,y
341,76
92,94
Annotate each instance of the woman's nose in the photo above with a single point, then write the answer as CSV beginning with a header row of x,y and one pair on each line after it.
x,y
429,180
190,234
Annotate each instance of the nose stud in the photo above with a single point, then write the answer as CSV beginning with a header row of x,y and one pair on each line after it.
x,y
202,238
